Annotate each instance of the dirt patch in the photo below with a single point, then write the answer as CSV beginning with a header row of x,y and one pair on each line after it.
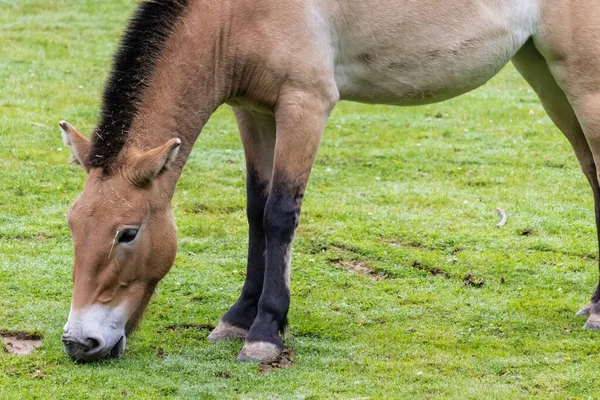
x,y
284,361
200,327
472,280
432,270
223,374
406,243
469,279
20,343
349,259
526,231
361,268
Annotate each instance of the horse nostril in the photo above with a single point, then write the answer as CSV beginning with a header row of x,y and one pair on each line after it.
x,y
66,339
91,343
86,345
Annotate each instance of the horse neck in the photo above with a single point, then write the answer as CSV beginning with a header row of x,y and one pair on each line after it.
x,y
191,80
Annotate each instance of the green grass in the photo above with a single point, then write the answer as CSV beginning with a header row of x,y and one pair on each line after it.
x,y
397,190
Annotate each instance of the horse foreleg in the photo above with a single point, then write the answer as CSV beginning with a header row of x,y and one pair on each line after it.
x,y
257,132
569,43
300,118
534,68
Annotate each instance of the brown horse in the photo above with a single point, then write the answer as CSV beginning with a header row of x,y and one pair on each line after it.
x,y
282,66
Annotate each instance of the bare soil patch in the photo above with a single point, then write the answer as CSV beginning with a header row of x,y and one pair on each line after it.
x,y
472,280
223,374
526,231
284,361
432,270
20,343
200,327
361,268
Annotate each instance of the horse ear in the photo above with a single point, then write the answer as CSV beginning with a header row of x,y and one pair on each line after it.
x,y
148,165
80,145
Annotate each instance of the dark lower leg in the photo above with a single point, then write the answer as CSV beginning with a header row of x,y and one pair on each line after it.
x,y
243,312
596,295
281,219
586,310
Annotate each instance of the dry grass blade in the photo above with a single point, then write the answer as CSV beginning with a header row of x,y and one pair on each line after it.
x,y
503,216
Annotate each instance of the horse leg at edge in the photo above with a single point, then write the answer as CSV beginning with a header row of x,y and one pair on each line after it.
x,y
257,132
534,68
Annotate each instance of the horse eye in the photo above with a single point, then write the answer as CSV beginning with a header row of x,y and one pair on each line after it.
x,y
127,235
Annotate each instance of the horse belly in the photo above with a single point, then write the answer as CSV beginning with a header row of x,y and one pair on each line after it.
x,y
404,81
422,60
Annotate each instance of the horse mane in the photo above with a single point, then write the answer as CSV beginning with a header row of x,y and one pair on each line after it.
x,y
133,64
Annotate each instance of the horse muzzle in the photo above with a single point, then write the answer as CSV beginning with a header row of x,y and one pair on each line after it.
x,y
95,333
91,349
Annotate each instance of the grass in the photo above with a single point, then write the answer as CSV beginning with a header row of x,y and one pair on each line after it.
x,y
400,208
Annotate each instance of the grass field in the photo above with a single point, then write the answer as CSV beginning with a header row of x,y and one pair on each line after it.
x,y
400,209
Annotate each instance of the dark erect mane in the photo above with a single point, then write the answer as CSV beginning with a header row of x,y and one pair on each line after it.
x,y
133,65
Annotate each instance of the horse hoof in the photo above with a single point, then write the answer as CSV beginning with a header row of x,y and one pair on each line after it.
x,y
592,323
263,352
586,309
226,331
583,311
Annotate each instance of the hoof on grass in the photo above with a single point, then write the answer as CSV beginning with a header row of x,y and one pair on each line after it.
x,y
263,352
226,331
593,322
